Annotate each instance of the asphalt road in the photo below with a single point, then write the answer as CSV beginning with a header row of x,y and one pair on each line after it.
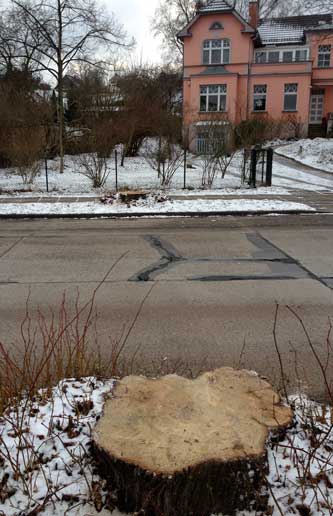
x,y
188,294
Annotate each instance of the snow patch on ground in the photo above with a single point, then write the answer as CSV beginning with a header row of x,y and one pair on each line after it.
x,y
53,432
149,206
317,153
137,174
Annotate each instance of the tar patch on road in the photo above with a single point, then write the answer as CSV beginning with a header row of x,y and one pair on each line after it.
x,y
281,265
169,258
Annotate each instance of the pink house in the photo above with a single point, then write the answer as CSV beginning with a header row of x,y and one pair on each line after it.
x,y
235,70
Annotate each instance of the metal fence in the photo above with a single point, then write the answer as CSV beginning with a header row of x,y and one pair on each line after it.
x,y
257,167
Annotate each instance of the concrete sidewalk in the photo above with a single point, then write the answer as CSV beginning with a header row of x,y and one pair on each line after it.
x,y
321,201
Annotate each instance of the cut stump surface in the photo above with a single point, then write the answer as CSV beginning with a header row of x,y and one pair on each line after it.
x,y
129,196
176,446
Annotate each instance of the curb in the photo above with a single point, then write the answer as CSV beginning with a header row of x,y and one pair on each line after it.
x,y
50,216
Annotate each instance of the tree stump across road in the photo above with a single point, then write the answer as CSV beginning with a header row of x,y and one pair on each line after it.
x,y
179,447
128,196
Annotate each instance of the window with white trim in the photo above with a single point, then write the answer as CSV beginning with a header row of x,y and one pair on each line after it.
x,y
301,55
216,51
290,97
213,98
273,57
287,56
282,55
259,97
324,56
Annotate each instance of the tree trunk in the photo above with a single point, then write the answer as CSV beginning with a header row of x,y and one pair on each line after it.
x,y
175,446
60,90
61,126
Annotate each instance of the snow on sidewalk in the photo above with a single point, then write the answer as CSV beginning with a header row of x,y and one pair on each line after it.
x,y
150,207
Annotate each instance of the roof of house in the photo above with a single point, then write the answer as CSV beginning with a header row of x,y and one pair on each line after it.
x,y
211,7
271,31
292,29
215,6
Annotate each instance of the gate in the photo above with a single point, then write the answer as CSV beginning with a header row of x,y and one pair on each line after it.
x,y
257,167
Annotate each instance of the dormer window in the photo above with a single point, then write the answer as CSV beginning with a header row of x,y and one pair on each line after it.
x,y
216,51
216,26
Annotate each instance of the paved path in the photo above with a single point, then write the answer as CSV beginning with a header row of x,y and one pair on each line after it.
x,y
189,293
301,167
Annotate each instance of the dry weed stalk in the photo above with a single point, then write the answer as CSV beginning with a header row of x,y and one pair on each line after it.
x,y
309,446
63,345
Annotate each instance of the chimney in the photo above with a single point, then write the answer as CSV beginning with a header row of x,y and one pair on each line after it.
x,y
254,13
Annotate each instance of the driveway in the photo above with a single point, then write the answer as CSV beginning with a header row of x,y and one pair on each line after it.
x,y
198,293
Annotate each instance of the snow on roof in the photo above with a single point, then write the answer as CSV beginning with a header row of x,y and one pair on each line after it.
x,y
215,6
292,29
274,32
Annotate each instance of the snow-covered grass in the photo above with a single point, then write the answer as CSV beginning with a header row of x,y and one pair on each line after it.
x,y
317,153
135,174
138,174
46,462
151,206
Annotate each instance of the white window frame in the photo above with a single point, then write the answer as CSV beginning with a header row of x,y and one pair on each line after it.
x,y
210,45
324,56
265,53
290,90
221,93
259,93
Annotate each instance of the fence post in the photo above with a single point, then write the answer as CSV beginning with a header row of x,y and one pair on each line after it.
x,y
269,167
116,167
46,175
253,168
185,166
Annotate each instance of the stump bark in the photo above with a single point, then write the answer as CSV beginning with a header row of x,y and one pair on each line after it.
x,y
174,446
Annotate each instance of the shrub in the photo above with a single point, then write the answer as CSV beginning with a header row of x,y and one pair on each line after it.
x,y
165,157
254,131
99,143
24,150
95,168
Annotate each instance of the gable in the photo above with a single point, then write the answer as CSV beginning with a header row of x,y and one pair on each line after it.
x,y
216,7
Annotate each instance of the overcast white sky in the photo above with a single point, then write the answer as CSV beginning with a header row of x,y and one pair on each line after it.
x,y
135,15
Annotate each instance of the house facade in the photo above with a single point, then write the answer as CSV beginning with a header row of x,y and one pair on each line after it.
x,y
237,69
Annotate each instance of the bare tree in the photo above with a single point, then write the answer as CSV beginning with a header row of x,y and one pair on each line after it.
x,y
66,32
19,48
169,18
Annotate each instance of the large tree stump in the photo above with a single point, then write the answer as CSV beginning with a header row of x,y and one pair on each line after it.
x,y
179,447
128,196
